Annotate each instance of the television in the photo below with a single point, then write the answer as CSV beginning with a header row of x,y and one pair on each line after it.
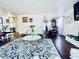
x,y
76,11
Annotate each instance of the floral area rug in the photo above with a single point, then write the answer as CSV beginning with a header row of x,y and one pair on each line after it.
x,y
23,49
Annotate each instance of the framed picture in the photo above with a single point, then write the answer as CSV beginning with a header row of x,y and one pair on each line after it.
x,y
30,20
69,19
25,19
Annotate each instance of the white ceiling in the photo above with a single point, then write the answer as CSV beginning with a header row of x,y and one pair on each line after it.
x,y
37,6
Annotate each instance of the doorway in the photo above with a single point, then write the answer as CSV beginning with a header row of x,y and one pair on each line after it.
x,y
60,25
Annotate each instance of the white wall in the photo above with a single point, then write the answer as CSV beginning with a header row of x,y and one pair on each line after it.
x,y
69,25
37,21
2,13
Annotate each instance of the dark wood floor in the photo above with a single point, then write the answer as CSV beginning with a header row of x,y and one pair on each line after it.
x,y
3,42
63,46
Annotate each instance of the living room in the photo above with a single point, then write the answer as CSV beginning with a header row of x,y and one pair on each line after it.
x,y
39,29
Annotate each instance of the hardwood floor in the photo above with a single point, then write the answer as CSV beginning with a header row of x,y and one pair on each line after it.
x,y
63,46
3,42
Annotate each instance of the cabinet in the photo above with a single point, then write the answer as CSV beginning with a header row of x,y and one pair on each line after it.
x,y
5,33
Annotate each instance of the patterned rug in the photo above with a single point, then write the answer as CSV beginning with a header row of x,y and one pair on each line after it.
x,y
23,49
